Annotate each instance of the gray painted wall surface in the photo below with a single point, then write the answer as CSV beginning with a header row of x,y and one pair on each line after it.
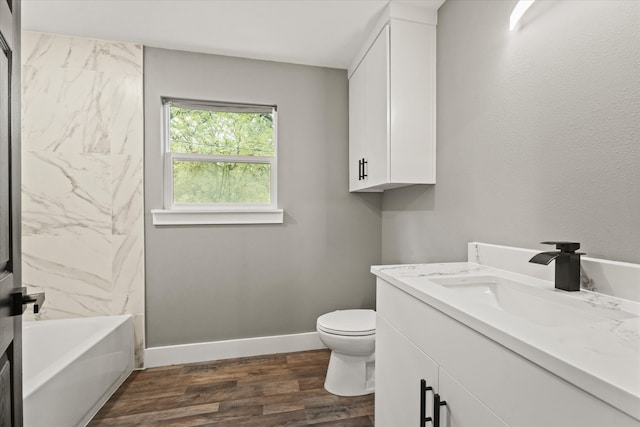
x,y
210,283
538,134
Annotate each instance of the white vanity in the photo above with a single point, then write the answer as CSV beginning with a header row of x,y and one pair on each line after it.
x,y
502,348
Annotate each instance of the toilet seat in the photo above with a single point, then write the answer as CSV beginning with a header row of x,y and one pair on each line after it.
x,y
348,322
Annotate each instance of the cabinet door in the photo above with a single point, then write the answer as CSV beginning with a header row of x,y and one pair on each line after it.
x,y
399,368
462,408
356,126
377,110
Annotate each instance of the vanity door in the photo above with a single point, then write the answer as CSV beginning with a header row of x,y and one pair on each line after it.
x,y
400,367
462,409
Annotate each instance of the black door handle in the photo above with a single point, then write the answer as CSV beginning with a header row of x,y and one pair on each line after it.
x,y
437,403
361,169
20,299
423,403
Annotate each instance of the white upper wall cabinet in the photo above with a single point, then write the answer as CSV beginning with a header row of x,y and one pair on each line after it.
x,y
392,102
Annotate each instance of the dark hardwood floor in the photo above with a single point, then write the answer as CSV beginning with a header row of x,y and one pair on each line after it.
x,y
275,390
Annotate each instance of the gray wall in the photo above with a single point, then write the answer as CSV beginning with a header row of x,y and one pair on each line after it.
x,y
209,283
538,134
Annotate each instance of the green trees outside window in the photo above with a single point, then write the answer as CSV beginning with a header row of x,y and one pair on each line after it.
x,y
221,157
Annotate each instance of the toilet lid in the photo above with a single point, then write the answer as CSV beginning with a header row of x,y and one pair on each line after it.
x,y
348,322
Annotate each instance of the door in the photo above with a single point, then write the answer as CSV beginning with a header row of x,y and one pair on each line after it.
x,y
377,113
357,110
462,408
10,326
400,366
368,118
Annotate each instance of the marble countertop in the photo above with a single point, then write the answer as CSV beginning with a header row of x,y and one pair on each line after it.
x,y
600,356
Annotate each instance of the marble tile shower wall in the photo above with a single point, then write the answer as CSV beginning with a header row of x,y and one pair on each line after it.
x,y
82,177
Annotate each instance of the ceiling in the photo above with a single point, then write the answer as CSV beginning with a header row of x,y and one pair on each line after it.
x,y
325,33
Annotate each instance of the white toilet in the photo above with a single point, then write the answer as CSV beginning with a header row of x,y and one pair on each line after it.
x,y
351,336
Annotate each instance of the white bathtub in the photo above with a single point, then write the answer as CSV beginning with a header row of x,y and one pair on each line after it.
x,y
71,367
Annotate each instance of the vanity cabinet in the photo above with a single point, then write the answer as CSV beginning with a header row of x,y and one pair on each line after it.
x,y
483,383
392,109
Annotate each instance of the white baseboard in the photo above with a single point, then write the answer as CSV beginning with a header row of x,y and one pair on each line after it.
x,y
205,351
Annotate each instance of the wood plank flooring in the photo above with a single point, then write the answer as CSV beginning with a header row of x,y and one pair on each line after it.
x,y
274,390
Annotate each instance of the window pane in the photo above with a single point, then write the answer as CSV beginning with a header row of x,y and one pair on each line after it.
x,y
221,182
219,132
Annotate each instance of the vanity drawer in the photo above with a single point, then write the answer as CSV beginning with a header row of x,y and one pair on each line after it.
x,y
518,391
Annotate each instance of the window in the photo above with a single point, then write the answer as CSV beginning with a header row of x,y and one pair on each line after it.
x,y
220,162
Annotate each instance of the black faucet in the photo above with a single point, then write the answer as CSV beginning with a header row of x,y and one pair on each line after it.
x,y
567,264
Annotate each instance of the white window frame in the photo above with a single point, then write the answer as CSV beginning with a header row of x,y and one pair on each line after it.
x,y
217,213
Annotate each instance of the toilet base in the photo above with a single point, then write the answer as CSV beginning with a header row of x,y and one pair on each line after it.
x,y
350,375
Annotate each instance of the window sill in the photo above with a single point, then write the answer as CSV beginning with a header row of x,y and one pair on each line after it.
x,y
221,217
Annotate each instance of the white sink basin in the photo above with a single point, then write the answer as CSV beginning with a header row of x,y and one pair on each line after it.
x,y
544,307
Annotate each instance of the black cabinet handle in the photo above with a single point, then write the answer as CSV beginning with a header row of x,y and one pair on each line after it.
x,y
361,169
423,403
437,403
